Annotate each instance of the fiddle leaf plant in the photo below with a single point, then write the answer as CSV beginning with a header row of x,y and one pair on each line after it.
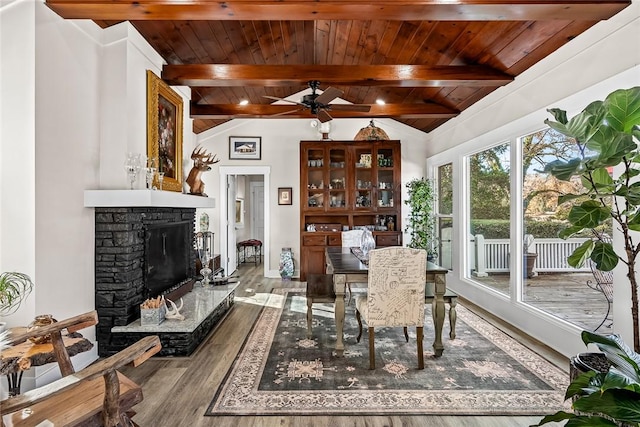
x,y
14,289
607,134
421,224
609,398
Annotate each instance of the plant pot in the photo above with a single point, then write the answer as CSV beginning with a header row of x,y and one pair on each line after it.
x,y
585,362
529,263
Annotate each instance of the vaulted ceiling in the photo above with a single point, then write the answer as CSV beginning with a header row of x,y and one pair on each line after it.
x,y
427,59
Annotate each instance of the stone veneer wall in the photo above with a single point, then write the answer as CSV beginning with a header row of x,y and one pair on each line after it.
x,y
119,238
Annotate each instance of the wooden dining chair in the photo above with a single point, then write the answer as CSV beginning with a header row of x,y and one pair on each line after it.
x,y
395,295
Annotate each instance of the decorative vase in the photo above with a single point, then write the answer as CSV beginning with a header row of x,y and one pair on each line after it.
x,y
367,242
286,264
40,321
204,222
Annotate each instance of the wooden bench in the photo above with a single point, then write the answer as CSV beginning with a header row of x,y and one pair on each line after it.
x,y
98,395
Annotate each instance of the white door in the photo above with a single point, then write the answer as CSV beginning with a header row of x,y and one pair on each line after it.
x,y
257,210
232,262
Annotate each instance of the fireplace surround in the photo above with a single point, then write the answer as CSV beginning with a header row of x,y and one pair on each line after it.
x,y
122,219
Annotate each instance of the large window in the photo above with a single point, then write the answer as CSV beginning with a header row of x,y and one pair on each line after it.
x,y
550,283
445,215
489,217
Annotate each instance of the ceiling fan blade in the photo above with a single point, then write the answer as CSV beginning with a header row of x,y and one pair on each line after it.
x,y
329,95
286,112
275,98
323,116
351,107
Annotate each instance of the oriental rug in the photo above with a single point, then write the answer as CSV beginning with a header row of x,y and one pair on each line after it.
x,y
482,371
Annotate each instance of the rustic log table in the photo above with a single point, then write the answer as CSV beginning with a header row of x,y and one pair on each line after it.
x,y
20,357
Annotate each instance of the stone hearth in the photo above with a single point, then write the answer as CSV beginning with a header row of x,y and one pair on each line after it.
x,y
119,271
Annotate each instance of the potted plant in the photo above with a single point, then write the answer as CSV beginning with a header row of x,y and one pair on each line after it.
x,y
605,398
14,288
421,224
607,134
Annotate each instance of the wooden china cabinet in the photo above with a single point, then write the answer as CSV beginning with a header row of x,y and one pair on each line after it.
x,y
346,185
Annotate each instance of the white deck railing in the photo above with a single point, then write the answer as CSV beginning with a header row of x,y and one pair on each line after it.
x,y
492,255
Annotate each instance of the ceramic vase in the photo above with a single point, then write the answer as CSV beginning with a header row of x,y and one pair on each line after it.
x,y
286,264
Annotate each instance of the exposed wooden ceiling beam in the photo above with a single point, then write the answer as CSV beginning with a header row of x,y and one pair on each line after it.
x,y
271,111
437,10
226,75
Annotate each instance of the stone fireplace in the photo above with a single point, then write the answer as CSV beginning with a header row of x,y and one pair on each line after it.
x,y
120,287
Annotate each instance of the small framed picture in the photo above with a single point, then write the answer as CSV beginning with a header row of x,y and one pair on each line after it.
x,y
284,196
245,147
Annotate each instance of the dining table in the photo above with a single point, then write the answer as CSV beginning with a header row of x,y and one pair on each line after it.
x,y
347,268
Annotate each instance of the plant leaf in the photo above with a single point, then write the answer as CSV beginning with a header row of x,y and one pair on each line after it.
x,y
589,214
619,404
623,109
604,256
581,254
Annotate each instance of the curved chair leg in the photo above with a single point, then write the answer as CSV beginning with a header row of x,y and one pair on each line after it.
x,y
372,349
309,317
419,333
359,326
406,334
452,318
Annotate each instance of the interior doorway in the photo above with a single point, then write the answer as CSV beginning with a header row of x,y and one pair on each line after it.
x,y
228,224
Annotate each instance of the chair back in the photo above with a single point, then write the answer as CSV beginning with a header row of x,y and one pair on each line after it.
x,y
351,238
395,296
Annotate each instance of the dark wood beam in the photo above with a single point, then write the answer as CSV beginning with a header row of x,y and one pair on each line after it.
x,y
271,111
308,10
226,75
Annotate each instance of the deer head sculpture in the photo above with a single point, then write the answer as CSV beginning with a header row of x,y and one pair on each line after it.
x,y
202,162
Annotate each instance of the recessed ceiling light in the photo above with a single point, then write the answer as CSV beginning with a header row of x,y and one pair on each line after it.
x,y
244,102
380,102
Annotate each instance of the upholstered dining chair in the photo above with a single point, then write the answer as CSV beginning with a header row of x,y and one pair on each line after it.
x,y
395,296
350,239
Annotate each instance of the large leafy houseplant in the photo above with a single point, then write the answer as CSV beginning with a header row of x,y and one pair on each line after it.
x,y
609,398
607,134
421,224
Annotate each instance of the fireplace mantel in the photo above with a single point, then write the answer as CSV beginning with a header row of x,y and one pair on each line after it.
x,y
144,198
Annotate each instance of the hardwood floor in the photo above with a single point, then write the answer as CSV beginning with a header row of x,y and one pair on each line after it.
x,y
177,391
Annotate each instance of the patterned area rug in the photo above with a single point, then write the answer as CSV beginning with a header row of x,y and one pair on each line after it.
x,y
482,371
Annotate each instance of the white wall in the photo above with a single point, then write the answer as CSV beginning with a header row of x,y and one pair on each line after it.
x,y
597,62
73,102
17,146
280,150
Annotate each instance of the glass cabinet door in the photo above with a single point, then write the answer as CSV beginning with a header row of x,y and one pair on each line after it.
x,y
385,183
364,179
315,178
337,178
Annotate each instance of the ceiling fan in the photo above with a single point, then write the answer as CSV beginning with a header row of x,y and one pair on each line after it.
x,y
319,105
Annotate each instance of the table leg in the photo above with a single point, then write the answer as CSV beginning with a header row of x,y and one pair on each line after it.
x,y
14,381
339,284
438,312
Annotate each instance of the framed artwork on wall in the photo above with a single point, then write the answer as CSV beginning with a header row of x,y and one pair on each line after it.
x,y
284,196
245,147
164,131
239,213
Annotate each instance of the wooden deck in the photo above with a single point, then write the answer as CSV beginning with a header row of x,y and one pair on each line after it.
x,y
565,295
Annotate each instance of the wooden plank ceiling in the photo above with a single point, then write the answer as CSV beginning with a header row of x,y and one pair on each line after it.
x,y
428,60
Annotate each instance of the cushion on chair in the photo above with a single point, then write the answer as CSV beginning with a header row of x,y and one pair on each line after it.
x,y
320,286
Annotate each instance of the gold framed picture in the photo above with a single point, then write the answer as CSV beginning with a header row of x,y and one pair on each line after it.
x,y
164,131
